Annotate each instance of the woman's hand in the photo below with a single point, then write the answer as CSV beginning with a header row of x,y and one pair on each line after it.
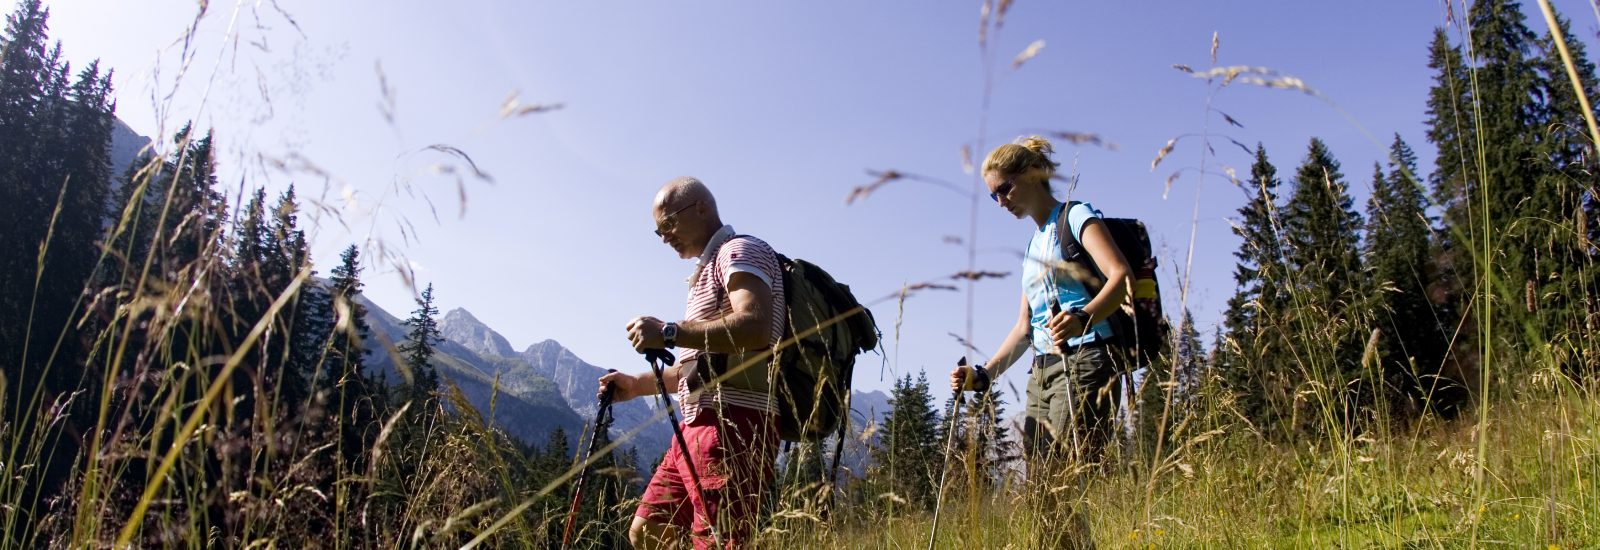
x,y
1062,327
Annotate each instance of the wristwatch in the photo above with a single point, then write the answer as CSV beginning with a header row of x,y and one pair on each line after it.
x,y
669,335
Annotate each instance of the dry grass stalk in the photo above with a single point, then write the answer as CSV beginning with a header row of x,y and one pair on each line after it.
x,y
979,275
1028,53
1162,153
513,107
1083,138
862,192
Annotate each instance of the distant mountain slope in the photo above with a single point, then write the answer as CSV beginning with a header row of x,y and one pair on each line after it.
x,y
126,144
575,380
528,408
549,385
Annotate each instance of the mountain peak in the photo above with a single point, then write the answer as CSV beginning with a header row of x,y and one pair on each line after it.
x,y
544,345
459,326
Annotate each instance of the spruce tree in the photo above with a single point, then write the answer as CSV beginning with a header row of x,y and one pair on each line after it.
x,y
1510,115
1252,355
1567,150
1321,228
418,349
907,455
1399,251
361,398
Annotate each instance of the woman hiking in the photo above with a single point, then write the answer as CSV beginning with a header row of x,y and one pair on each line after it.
x,y
1073,387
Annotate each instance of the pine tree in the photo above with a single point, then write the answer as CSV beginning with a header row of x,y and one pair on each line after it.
x,y
300,322
361,398
1321,228
1566,174
1399,249
557,454
418,349
907,454
983,438
1190,363
347,348
1511,120
1251,356
54,136
1455,178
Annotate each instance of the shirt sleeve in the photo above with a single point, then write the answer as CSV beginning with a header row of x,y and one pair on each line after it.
x,y
1080,215
742,256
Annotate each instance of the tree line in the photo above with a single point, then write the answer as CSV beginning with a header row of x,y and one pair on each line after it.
x,y
173,365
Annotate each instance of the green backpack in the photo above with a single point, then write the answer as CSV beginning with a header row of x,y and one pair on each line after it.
x,y
826,329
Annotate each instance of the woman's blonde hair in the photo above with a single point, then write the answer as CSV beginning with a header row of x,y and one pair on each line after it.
x,y
1022,156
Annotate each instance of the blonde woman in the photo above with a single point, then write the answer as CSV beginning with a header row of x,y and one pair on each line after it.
x,y
1073,278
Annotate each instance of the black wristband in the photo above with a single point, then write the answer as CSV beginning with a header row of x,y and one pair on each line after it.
x,y
1082,316
980,379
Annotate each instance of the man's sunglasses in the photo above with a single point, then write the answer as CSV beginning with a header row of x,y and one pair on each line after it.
x,y
670,221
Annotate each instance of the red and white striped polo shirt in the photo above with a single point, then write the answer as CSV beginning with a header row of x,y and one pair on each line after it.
x,y
725,254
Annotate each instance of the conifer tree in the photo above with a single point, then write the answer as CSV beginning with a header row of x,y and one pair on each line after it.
x,y
418,349
361,398
1399,251
907,455
1329,327
1251,355
1511,120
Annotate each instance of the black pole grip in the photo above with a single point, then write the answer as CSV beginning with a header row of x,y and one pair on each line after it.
x,y
665,357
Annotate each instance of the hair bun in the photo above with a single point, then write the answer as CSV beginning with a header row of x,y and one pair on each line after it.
x,y
1038,145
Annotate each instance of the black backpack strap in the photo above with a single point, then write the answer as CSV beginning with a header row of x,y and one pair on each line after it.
x,y
1071,249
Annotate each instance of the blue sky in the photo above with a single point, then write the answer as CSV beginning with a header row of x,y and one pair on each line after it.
x,y
779,107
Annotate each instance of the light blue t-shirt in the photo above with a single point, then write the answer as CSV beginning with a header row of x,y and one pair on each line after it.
x,y
1038,280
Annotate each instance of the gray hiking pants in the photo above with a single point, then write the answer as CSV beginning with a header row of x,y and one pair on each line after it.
x,y
1082,386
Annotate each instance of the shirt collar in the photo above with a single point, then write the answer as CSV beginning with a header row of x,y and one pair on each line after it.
x,y
710,253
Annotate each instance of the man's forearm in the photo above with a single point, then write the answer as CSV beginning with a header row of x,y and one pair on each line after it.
x,y
735,333
646,381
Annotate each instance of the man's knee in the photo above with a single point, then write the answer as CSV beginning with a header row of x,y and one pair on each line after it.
x,y
648,534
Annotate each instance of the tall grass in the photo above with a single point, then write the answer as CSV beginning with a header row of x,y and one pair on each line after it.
x,y
176,422
1521,471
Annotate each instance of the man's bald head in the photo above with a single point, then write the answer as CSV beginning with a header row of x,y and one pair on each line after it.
x,y
686,215
685,190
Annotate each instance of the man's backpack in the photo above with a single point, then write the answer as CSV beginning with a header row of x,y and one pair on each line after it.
x,y
1139,327
825,331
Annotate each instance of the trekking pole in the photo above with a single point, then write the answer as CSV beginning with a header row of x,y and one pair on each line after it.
x,y
1072,389
656,357
602,422
1072,418
944,468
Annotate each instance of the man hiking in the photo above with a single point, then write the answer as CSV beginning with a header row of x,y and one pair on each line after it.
x,y
735,314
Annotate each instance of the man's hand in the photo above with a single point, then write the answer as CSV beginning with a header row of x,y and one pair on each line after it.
x,y
645,333
624,386
1062,327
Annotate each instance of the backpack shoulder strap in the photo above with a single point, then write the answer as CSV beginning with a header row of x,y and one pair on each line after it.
x,y
1071,249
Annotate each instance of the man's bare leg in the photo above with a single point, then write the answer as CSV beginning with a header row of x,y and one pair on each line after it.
x,y
646,534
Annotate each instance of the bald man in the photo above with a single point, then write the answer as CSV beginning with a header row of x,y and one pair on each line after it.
x,y
735,315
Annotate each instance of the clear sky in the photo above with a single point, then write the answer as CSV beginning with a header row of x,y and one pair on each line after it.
x,y
779,107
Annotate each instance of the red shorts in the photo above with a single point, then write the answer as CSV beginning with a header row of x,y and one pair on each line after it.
x,y
734,453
